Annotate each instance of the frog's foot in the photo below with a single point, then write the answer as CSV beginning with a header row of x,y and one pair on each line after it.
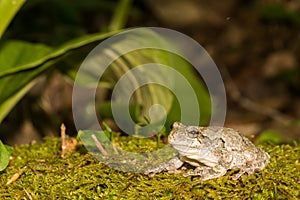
x,y
152,172
248,170
206,173
238,175
171,166
176,171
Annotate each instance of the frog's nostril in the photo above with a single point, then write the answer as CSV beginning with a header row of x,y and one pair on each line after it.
x,y
175,125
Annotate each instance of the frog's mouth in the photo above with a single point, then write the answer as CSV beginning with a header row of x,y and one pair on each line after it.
x,y
185,143
189,150
195,156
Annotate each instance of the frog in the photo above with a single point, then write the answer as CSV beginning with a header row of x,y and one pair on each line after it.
x,y
212,150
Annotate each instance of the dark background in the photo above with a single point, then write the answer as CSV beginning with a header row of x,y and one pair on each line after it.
x,y
255,44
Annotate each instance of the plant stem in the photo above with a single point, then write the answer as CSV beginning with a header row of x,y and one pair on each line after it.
x,y
120,16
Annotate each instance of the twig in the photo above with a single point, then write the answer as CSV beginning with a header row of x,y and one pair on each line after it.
x,y
115,149
63,140
28,194
248,104
99,146
15,176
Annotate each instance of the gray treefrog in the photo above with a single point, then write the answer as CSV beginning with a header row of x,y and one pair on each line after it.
x,y
213,151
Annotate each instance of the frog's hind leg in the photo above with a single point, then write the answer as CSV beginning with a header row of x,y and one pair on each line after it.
x,y
250,169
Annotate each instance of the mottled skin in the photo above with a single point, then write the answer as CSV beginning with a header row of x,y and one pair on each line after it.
x,y
213,151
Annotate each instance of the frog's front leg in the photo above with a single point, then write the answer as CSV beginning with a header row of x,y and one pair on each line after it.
x,y
206,172
170,166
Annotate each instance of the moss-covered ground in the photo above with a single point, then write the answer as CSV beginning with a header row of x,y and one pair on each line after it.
x,y
45,175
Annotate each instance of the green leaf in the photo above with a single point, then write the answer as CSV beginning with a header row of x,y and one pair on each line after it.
x,y
43,57
16,83
15,55
5,153
153,94
105,110
9,103
85,136
146,96
22,62
271,136
8,9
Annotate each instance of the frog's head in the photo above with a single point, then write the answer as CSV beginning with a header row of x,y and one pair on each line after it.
x,y
186,140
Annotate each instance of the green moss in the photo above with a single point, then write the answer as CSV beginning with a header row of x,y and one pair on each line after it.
x,y
80,176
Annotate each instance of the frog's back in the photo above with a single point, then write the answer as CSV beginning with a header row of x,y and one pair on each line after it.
x,y
232,139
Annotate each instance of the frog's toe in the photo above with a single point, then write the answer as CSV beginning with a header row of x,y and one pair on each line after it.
x,y
151,172
196,172
237,176
241,172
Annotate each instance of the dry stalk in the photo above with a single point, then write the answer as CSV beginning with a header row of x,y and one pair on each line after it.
x,y
99,146
15,176
63,140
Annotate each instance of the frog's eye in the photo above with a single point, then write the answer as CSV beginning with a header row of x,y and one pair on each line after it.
x,y
193,133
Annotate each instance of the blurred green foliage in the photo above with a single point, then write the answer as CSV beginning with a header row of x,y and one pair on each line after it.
x,y
276,13
56,36
271,136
